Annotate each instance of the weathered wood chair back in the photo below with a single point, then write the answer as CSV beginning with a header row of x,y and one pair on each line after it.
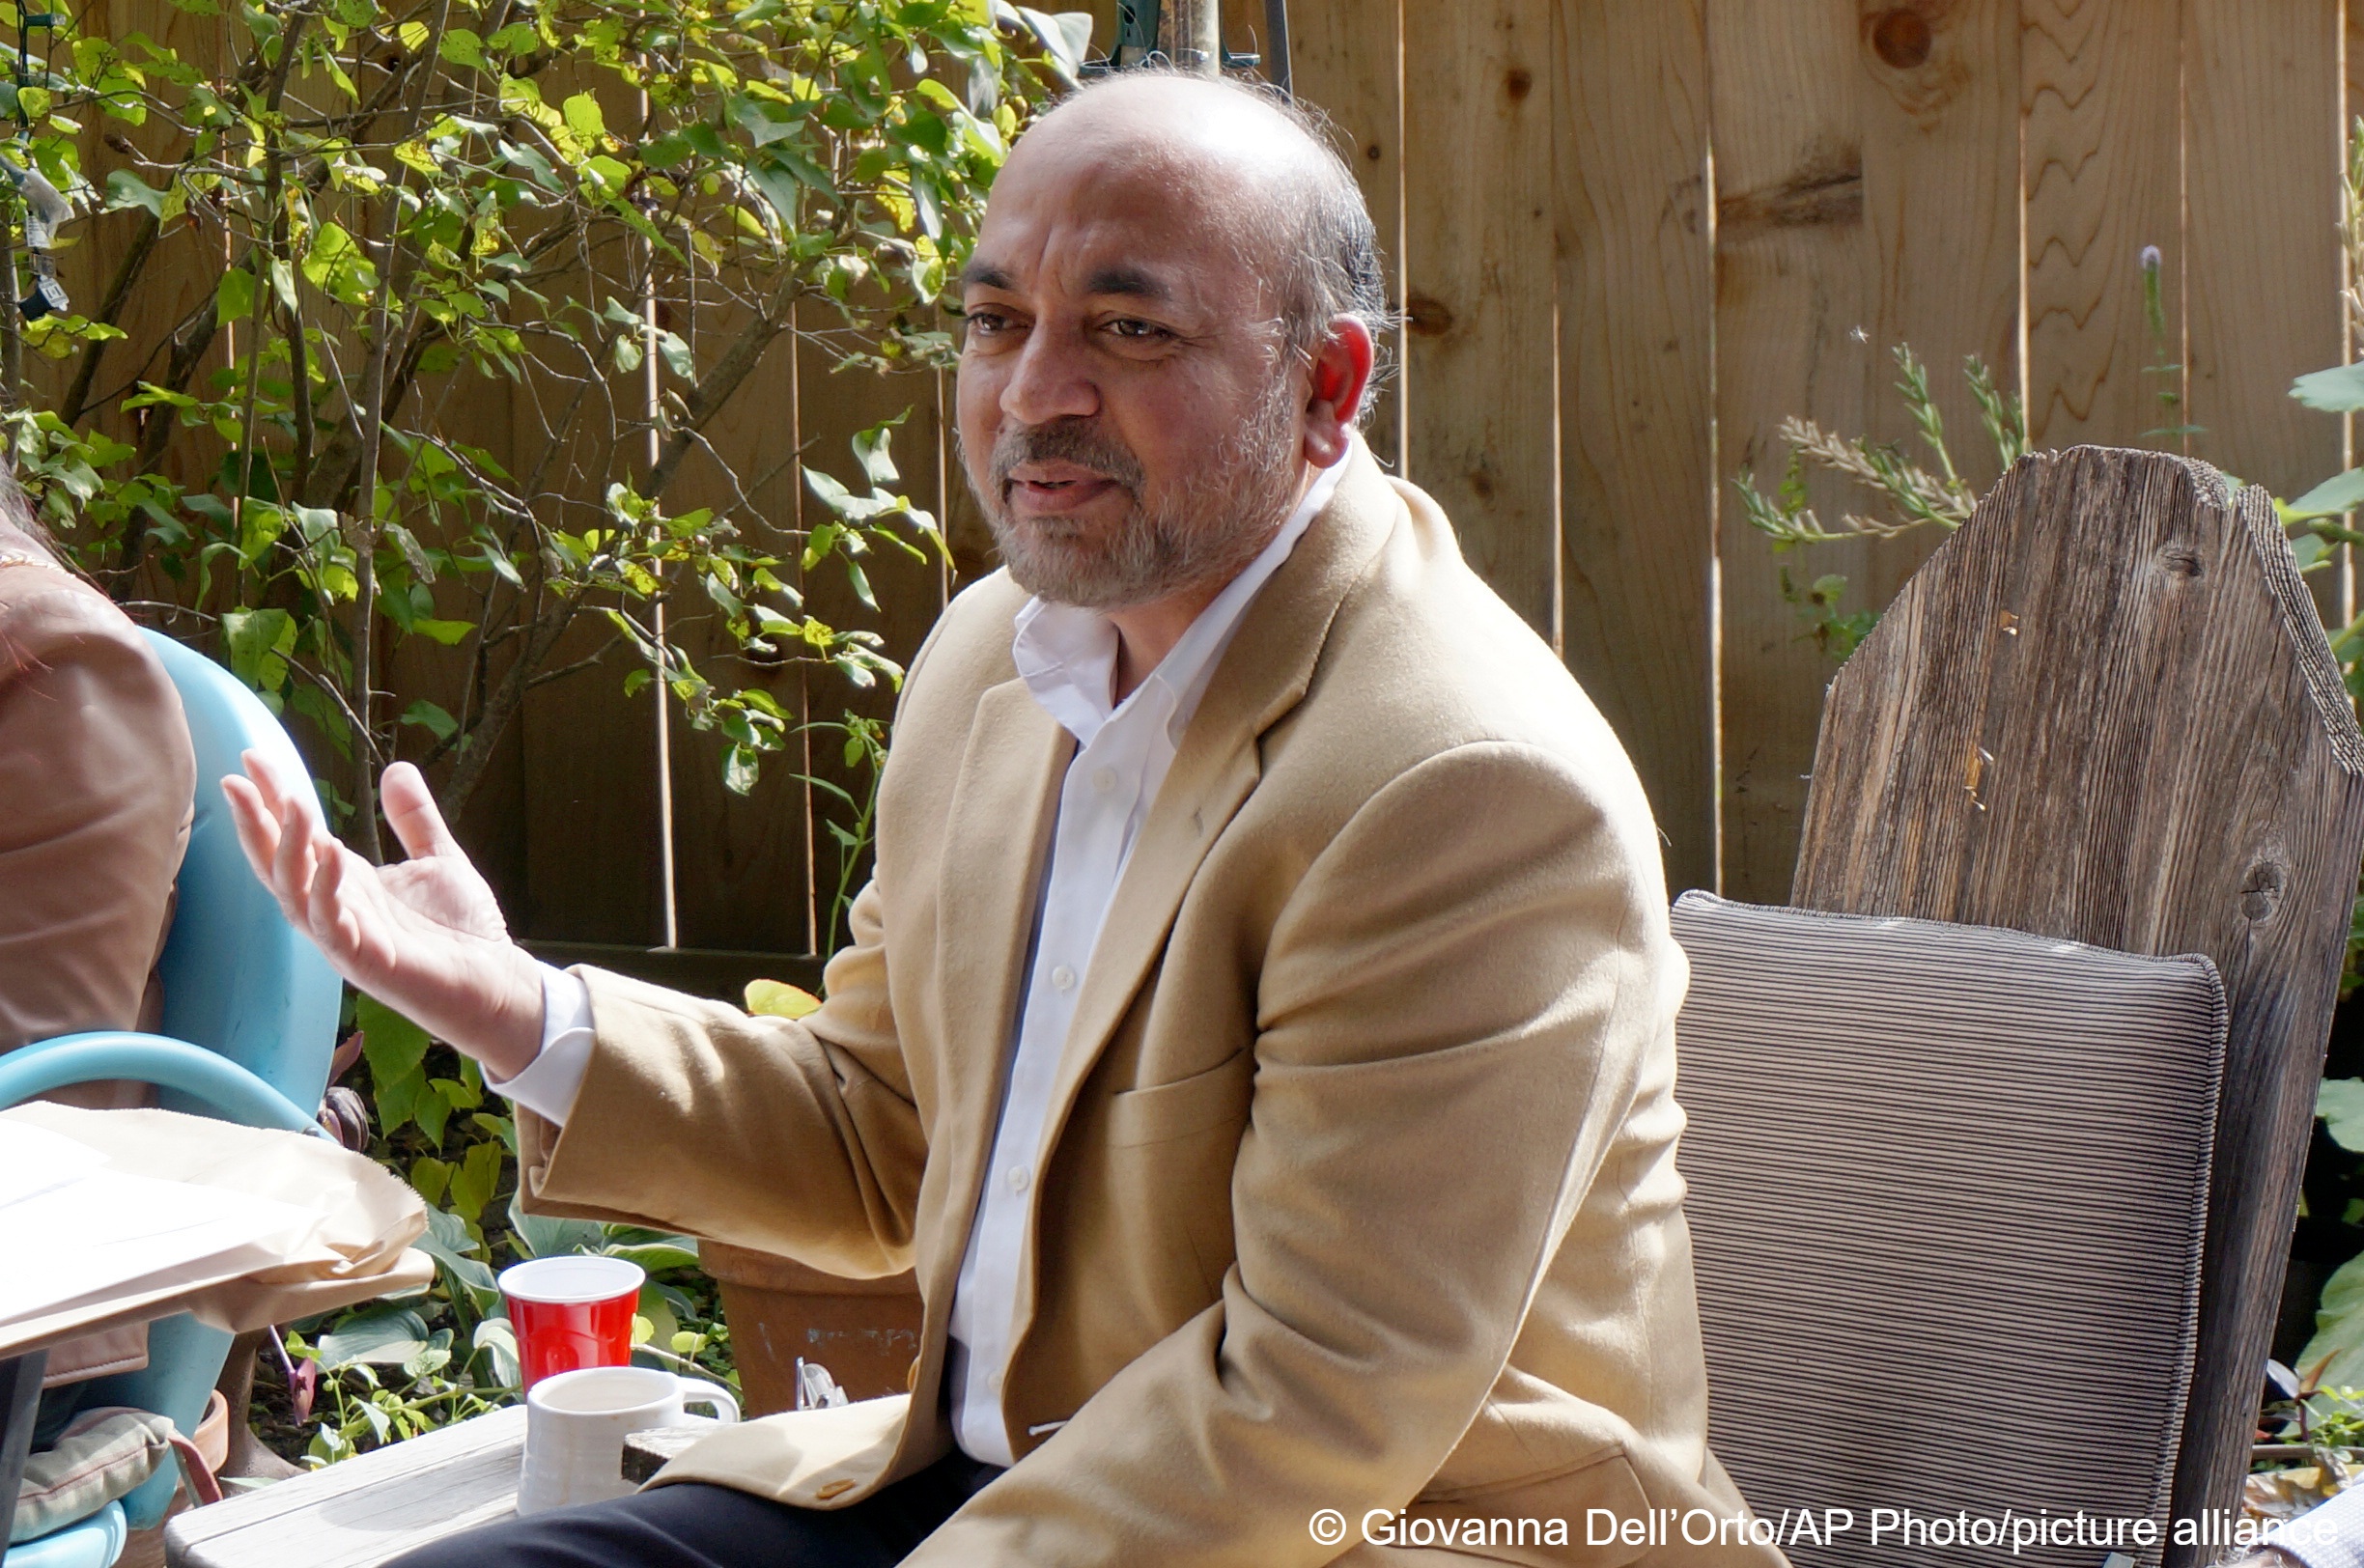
x,y
2106,710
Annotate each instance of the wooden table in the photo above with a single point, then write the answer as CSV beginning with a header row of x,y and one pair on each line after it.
x,y
366,1510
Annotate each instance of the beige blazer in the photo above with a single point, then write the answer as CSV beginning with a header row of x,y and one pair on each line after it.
x,y
1359,1187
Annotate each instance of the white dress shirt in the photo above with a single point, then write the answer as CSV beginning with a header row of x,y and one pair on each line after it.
x,y
1067,658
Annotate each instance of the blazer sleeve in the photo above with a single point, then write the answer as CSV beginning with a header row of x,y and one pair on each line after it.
x,y
1455,1007
97,780
798,1138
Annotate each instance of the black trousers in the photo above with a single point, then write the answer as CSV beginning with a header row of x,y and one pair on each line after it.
x,y
693,1525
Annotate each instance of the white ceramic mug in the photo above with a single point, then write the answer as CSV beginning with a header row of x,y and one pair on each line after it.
x,y
576,1423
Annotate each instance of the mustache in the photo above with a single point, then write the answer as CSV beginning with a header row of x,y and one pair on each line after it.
x,y
1080,442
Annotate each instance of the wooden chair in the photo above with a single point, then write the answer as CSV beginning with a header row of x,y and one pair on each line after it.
x,y
2105,710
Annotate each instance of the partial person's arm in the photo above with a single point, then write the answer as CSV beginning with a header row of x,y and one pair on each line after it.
x,y
689,1115
794,1137
1454,1011
550,1081
96,784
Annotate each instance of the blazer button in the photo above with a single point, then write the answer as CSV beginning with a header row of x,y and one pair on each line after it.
x,y
836,1489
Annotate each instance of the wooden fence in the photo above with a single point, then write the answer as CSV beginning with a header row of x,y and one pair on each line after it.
x,y
1629,236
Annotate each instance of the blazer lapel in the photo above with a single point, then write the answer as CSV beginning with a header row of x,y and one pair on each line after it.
x,y
997,832
1263,674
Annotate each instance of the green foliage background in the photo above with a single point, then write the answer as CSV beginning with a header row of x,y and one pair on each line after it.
x,y
327,228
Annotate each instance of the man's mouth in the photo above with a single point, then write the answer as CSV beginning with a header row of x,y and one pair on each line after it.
x,y
1055,487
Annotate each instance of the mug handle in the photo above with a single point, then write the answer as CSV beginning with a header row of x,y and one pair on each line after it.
x,y
698,1392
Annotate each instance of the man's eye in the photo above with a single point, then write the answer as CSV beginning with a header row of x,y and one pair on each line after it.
x,y
986,323
1137,330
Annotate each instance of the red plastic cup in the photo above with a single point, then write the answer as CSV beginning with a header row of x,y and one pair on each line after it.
x,y
572,1312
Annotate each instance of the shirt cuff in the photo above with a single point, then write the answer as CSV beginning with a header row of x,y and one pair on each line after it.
x,y
550,1081
2330,1536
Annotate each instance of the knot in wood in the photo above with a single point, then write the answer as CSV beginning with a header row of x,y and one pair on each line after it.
x,y
2261,888
1428,317
1901,36
2178,560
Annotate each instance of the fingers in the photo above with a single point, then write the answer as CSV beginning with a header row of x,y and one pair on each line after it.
x,y
411,810
293,869
258,826
335,923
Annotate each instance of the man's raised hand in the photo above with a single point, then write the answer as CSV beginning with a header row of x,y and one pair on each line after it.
x,y
424,936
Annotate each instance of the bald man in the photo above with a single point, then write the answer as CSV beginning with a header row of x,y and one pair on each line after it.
x,y
1258,1035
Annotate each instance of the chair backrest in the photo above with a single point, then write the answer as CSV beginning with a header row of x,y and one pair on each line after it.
x,y
1947,1194
237,979
2105,709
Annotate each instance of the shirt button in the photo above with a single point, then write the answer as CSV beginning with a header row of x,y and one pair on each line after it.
x,y
993,1383
1062,978
1017,1178
1104,780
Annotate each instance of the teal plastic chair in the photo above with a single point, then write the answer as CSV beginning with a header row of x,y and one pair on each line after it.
x,y
250,1020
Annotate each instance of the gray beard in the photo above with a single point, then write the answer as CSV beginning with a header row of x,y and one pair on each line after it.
x,y
1205,531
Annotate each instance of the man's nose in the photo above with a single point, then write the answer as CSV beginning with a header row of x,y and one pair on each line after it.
x,y
1050,381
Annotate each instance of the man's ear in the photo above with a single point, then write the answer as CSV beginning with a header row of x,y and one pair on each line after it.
x,y
1340,380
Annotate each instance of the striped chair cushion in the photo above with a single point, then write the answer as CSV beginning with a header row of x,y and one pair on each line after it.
x,y
1948,1188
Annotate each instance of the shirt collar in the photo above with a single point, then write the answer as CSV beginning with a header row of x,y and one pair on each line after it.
x,y
1067,655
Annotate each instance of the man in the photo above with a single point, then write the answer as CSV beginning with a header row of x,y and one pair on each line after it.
x,y
1258,1032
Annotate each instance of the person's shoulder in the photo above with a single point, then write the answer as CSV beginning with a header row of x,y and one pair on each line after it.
x,y
47,614
1424,658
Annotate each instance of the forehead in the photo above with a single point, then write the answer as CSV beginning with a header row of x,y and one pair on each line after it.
x,y
1083,215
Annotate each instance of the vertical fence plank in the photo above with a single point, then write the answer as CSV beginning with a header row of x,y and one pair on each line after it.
x,y
2262,144
832,407
1480,365
590,807
1348,61
1792,288
739,859
1636,301
590,811
1940,107
2101,86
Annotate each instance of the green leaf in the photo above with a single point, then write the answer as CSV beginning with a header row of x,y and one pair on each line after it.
x,y
431,1110
741,768
540,1236
126,189
431,718
395,1047
2340,1102
448,1243
258,643
447,633
777,998
233,295
497,1338
430,1178
872,449
477,1179
2338,390
2344,492
461,47
2334,1358
583,118
655,1250
432,1357
380,1337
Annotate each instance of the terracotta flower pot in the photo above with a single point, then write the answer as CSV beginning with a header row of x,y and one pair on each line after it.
x,y
866,1332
